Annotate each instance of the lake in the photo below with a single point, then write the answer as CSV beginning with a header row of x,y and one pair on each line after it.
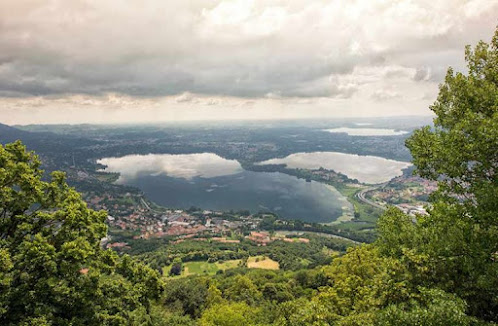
x,y
367,131
364,168
211,182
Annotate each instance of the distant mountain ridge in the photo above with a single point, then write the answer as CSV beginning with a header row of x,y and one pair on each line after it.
x,y
41,141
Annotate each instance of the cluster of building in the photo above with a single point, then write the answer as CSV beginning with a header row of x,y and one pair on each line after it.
x,y
412,210
129,212
139,220
329,175
121,205
181,223
199,225
409,194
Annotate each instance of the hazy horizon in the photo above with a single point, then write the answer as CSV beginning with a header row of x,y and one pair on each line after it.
x,y
304,120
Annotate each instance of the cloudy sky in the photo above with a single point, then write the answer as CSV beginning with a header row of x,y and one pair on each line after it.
x,y
70,61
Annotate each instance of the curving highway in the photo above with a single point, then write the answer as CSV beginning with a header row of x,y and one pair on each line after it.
x,y
361,196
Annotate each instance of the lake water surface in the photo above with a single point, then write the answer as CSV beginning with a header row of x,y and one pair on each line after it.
x,y
211,182
367,169
367,131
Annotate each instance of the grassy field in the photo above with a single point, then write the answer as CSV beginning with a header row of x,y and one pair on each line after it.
x,y
199,268
204,268
262,262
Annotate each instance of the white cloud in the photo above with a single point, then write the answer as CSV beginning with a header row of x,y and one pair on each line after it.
x,y
384,95
187,166
185,97
199,49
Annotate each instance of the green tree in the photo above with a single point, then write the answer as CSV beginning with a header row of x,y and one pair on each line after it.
x,y
363,281
278,292
455,247
186,295
369,288
176,267
243,289
213,296
238,313
433,308
52,269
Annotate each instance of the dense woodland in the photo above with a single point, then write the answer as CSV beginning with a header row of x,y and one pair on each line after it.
x,y
439,269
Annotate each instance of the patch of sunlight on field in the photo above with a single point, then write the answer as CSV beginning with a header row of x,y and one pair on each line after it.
x,y
262,262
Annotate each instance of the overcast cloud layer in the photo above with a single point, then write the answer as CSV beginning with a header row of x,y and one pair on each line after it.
x,y
71,61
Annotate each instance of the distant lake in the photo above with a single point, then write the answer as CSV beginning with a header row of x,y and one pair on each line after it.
x,y
367,131
211,182
367,169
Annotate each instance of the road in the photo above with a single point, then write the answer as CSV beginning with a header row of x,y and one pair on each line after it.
x,y
361,196
148,207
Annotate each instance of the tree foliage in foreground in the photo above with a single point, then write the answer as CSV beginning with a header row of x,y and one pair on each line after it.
x,y
52,269
455,247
